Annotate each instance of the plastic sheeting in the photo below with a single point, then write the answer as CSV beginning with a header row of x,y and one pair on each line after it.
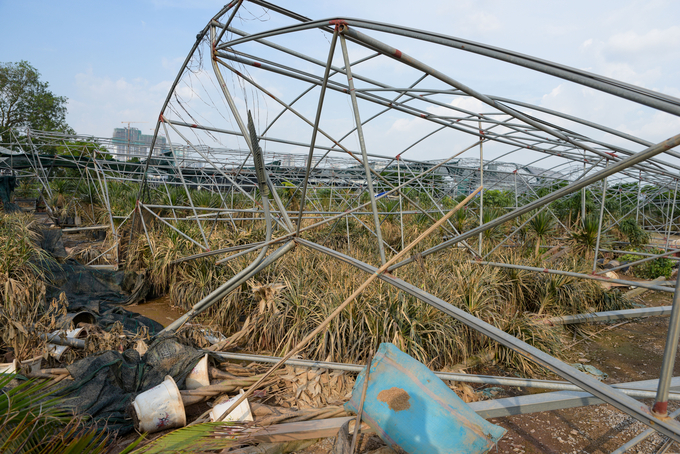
x,y
104,385
101,292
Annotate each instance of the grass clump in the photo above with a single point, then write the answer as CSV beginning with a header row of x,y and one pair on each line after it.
x,y
22,284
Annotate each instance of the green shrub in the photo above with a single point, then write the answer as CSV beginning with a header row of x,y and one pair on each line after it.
x,y
652,269
633,232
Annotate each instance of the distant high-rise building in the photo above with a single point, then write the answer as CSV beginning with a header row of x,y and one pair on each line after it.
x,y
131,143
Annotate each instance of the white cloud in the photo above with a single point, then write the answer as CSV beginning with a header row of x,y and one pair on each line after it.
x,y
101,103
484,22
634,57
651,44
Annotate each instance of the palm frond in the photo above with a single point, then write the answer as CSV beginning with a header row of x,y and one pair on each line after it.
x,y
198,438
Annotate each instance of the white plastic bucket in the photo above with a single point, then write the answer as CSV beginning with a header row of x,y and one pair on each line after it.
x,y
240,413
9,368
159,408
31,365
199,375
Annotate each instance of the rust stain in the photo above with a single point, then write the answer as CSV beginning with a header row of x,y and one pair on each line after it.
x,y
395,398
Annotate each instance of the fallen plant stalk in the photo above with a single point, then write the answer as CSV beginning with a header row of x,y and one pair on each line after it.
x,y
342,306
357,424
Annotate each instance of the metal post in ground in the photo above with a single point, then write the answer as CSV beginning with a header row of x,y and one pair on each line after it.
x,y
481,183
660,407
583,192
516,199
401,209
599,227
670,218
637,207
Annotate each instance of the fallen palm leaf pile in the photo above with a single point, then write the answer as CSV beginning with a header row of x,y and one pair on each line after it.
x,y
315,388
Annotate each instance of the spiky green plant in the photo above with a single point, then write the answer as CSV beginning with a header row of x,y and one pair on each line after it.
x,y
633,232
541,226
460,219
488,215
33,420
206,199
585,237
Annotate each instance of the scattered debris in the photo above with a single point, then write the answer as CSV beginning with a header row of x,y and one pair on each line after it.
x,y
240,413
588,369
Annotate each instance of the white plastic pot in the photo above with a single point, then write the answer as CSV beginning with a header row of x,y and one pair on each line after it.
x,y
159,408
199,375
32,365
9,368
240,413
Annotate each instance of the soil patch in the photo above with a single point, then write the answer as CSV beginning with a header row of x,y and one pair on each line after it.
x,y
395,398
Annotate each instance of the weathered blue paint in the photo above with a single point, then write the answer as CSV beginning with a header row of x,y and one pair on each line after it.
x,y
409,407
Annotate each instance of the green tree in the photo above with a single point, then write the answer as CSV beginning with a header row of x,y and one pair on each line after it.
x,y
26,101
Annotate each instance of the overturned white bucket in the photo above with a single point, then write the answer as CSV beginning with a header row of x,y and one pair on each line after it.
x,y
240,413
159,408
199,375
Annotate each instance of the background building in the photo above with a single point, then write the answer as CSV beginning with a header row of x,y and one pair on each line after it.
x,y
131,143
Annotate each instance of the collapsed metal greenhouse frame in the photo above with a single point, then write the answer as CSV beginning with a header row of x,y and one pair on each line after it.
x,y
541,156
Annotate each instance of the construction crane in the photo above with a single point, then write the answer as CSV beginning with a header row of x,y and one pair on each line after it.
x,y
128,134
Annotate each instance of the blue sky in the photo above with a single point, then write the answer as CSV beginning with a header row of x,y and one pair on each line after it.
x,y
116,60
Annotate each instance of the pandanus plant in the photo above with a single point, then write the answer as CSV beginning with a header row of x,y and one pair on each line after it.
x,y
541,226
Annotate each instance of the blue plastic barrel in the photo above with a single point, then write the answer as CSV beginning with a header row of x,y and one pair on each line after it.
x,y
411,409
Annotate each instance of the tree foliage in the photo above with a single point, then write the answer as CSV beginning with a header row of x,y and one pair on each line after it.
x,y
26,101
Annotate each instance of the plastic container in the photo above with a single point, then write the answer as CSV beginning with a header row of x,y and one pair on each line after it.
x,y
159,408
199,375
10,368
31,365
240,413
410,408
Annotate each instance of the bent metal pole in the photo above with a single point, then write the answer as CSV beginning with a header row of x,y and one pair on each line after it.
x,y
634,159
